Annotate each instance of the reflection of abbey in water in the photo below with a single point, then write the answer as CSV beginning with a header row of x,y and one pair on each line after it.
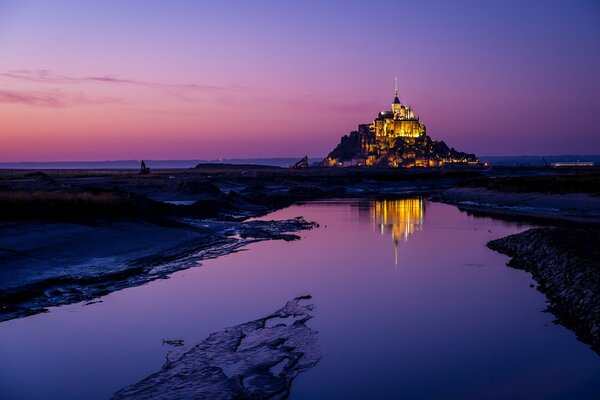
x,y
400,217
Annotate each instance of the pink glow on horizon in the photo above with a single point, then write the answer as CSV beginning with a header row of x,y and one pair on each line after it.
x,y
180,83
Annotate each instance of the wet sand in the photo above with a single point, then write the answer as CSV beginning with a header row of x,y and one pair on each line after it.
x,y
52,263
549,207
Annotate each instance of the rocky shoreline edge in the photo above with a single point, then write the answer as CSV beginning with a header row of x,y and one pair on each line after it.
x,y
255,360
566,209
63,277
566,264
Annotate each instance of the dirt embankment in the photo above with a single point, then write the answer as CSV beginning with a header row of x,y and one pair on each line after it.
x,y
64,241
547,196
44,264
566,264
550,183
201,193
538,207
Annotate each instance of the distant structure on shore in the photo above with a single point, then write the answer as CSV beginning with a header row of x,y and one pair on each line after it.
x,y
396,138
572,164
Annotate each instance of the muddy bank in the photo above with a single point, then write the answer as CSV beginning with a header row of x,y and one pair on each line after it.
x,y
539,207
75,239
566,264
69,238
46,264
545,180
222,194
255,360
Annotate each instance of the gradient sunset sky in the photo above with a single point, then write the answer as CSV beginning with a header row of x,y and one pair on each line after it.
x,y
106,80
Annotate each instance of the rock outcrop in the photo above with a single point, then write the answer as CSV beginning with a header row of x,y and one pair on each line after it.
x,y
365,148
566,264
255,360
395,138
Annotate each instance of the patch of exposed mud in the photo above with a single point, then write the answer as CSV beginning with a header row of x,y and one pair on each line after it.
x,y
83,281
254,360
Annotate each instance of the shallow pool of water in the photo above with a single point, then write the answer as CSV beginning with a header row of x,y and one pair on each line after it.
x,y
409,304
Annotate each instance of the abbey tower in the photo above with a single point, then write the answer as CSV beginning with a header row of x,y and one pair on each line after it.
x,y
395,138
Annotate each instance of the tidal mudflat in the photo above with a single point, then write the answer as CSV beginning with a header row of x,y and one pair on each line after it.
x,y
408,303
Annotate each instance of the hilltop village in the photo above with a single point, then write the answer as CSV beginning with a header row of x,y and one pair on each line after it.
x,y
396,138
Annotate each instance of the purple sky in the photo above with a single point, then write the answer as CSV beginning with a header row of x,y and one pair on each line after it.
x,y
93,80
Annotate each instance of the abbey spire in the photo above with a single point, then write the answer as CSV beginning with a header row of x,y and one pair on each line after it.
x,y
396,99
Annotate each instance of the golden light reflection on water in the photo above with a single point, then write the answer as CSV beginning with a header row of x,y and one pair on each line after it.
x,y
400,218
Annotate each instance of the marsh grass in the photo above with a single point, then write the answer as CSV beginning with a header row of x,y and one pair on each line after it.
x,y
556,184
65,205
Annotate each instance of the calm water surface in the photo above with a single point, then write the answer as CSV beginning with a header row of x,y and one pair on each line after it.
x,y
410,305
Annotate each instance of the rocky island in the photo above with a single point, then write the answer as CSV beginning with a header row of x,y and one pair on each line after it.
x,y
395,138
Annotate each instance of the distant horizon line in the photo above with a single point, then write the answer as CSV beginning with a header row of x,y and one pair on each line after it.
x,y
272,161
261,158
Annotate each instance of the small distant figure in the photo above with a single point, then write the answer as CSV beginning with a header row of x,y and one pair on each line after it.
x,y
143,169
303,163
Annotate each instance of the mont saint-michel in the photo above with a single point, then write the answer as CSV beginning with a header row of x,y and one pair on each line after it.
x,y
395,138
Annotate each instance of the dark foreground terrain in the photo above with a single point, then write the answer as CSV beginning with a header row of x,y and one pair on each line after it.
x,y
563,258
70,236
566,264
538,195
255,360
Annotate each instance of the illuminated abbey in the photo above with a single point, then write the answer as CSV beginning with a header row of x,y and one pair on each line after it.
x,y
399,122
395,138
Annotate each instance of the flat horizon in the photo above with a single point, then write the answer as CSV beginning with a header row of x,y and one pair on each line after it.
x,y
219,159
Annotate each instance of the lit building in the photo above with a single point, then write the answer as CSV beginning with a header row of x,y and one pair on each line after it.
x,y
401,121
395,138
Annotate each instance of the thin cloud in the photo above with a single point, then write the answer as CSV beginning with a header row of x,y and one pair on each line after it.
x,y
49,77
54,99
314,103
230,95
183,113
30,99
38,75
